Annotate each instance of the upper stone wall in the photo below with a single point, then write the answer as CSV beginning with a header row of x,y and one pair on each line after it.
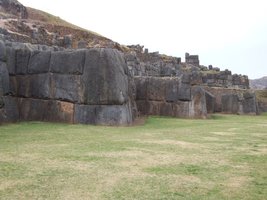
x,y
143,63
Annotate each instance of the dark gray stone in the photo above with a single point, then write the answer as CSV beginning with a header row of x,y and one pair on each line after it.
x,y
66,87
10,112
230,103
156,89
210,102
249,104
22,61
172,86
141,87
39,62
67,62
4,78
2,51
45,110
105,80
11,60
184,92
103,114
197,106
37,86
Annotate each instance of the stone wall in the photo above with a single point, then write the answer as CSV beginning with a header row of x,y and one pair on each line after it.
x,y
169,97
234,101
82,86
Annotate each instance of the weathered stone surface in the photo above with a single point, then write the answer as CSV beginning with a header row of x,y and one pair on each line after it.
x,y
39,62
66,87
4,78
184,92
11,60
141,87
172,87
249,104
230,103
105,80
197,107
67,62
2,51
103,114
22,61
156,89
45,110
9,113
37,86
210,102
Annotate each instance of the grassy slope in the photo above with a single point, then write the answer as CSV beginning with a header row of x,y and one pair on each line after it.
x,y
45,17
221,158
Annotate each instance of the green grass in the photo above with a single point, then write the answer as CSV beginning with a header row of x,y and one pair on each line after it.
x,y
224,157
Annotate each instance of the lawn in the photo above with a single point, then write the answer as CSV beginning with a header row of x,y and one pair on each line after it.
x,y
224,157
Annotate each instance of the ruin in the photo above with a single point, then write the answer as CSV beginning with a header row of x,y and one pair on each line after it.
x,y
109,87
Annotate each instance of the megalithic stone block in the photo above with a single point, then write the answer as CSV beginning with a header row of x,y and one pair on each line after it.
x,y
105,80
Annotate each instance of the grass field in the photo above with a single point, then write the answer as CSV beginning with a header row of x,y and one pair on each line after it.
x,y
224,157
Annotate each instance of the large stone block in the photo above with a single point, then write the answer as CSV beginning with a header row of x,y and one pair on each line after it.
x,y
10,112
45,110
103,114
249,103
66,87
22,61
172,86
141,87
230,103
184,92
105,80
2,51
156,89
4,78
11,60
39,62
210,102
197,105
37,86
67,62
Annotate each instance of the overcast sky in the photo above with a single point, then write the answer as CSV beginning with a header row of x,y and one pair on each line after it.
x,y
230,34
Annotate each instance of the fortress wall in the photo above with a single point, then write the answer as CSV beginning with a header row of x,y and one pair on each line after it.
x,y
65,86
169,97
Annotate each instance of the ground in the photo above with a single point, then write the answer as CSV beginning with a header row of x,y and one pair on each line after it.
x,y
224,157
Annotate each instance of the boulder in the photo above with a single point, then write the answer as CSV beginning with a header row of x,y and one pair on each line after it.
x,y
67,62
105,78
4,78
39,62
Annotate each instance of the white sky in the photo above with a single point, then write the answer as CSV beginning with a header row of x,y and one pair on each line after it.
x,y
228,34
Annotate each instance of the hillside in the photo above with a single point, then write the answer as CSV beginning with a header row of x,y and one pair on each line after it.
x,y
24,24
260,83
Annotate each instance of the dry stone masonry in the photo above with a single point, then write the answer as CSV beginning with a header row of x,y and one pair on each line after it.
x,y
74,86
108,87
